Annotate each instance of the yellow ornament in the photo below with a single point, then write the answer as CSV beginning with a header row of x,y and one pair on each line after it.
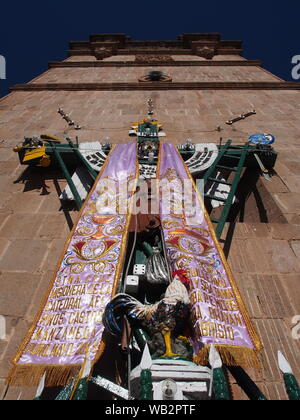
x,y
45,161
17,149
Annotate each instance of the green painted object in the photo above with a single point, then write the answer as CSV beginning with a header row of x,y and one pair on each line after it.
x,y
81,391
66,392
292,386
146,389
220,385
67,175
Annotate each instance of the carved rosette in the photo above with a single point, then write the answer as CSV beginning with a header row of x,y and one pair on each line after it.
x,y
155,76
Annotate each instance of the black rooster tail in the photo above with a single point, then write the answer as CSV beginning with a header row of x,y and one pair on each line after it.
x,y
115,311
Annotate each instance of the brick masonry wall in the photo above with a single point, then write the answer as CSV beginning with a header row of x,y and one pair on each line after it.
x,y
218,57
177,57
82,58
33,226
178,74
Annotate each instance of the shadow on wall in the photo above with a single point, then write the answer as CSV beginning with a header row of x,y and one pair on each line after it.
x,y
254,204
37,179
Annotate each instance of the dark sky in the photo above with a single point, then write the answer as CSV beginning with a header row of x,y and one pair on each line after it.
x,y
32,33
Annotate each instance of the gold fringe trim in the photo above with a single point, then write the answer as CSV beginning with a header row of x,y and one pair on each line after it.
x,y
30,375
59,375
231,356
123,250
241,304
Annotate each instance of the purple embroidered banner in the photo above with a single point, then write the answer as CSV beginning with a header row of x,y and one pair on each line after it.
x,y
69,328
218,312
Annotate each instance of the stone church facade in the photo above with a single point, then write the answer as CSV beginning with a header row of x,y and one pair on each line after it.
x,y
104,85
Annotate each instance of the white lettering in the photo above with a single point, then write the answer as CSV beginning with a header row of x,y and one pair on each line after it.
x,y
2,67
2,327
296,69
296,328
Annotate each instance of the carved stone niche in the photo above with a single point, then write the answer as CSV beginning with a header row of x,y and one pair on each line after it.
x,y
204,49
153,58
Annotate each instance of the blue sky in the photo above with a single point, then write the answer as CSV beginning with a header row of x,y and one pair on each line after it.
x,y
32,33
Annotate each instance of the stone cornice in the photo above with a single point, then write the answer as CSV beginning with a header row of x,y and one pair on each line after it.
x,y
204,45
177,51
206,63
158,86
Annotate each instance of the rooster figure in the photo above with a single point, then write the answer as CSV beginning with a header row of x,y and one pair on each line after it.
x,y
164,321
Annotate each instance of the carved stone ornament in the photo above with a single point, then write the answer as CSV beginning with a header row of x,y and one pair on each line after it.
x,y
153,58
103,52
205,52
155,76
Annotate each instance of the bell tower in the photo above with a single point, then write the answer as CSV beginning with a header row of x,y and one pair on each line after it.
x,y
200,86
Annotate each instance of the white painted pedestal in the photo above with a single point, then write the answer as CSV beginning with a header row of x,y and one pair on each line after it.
x,y
193,381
